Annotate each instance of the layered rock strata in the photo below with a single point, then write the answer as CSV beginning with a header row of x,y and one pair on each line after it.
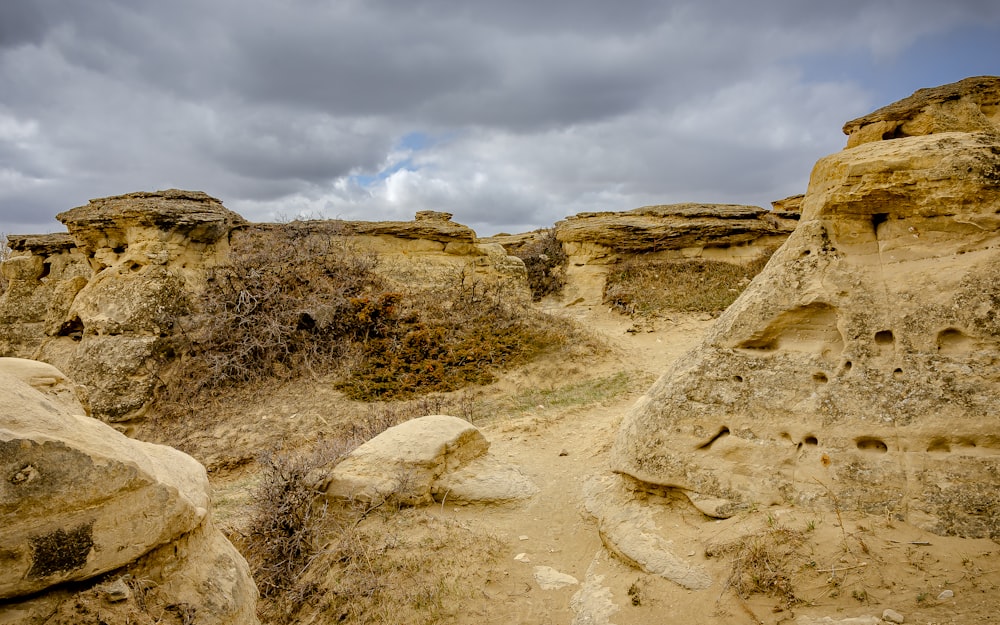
x,y
861,369
724,231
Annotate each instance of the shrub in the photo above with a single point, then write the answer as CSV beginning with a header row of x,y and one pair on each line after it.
x,y
449,345
647,287
287,520
545,261
290,303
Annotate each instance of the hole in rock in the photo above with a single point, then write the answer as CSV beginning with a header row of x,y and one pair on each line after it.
x,y
119,249
876,445
820,377
897,372
46,269
810,440
723,432
806,252
737,378
72,328
847,366
939,445
884,337
879,219
954,341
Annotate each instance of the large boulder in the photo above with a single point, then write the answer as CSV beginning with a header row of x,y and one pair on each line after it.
x,y
432,458
861,368
78,499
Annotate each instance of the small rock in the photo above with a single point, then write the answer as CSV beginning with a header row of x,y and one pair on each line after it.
x,y
563,453
892,616
522,537
522,557
550,579
117,591
945,594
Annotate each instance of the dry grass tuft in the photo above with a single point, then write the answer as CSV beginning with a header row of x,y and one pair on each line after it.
x,y
643,287
764,563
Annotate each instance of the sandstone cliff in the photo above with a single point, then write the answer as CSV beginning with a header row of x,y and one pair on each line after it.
x,y
102,301
861,368
722,231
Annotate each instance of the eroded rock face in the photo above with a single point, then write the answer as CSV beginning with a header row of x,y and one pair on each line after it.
x,y
690,229
101,302
861,368
970,105
78,499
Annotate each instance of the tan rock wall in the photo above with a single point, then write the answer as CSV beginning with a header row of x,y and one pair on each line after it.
x,y
861,369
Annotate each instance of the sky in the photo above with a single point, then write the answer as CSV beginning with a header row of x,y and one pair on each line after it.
x,y
510,114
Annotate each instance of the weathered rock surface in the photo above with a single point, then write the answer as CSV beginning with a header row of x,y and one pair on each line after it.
x,y
101,302
437,457
969,105
861,368
79,499
688,228
629,530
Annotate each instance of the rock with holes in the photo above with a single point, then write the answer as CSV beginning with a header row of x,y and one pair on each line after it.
x,y
432,458
861,368
79,499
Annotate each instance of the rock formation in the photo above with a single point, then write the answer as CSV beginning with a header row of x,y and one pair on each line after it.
x,y
689,230
101,301
80,501
432,458
861,368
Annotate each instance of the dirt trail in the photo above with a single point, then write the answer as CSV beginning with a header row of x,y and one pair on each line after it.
x,y
559,450
844,566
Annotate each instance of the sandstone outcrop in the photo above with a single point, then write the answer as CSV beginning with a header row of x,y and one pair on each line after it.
x,y
861,368
79,500
432,458
102,301
970,105
687,230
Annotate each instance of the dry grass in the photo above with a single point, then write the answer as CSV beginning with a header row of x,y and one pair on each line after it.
x,y
399,566
645,287
765,563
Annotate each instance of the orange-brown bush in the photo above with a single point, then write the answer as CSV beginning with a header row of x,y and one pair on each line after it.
x,y
444,345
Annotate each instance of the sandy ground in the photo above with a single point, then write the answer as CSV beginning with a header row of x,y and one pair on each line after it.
x,y
826,566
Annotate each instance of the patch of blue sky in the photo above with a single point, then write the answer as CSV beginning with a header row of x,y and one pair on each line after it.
x,y
932,60
407,147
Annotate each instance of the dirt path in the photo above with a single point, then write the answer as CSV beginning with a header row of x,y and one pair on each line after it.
x,y
559,450
553,566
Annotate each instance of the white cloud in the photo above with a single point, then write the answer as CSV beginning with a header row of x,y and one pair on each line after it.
x,y
537,110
